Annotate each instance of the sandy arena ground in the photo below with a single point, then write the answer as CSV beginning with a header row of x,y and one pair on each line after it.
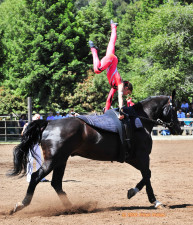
x,y
98,191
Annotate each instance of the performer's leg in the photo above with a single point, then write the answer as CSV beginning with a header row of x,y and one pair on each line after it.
x,y
38,158
105,62
96,61
109,99
113,38
29,167
109,61
98,68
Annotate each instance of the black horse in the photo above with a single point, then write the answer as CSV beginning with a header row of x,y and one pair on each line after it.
x,y
71,136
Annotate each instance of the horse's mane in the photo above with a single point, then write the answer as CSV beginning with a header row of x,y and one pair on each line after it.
x,y
139,105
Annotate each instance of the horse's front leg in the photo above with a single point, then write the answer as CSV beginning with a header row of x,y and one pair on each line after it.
x,y
133,191
142,164
146,174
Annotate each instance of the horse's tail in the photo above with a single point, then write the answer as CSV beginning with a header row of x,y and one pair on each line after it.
x,y
32,136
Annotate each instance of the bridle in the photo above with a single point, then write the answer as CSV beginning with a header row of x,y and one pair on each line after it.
x,y
158,121
171,124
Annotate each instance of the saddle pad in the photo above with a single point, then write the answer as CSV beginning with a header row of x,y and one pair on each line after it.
x,y
108,122
104,122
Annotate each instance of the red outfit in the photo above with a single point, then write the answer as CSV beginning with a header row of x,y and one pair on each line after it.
x,y
130,103
109,62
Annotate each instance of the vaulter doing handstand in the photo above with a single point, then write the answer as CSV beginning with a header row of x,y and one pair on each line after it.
x,y
109,62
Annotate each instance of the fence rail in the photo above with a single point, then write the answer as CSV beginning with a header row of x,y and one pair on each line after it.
x,y
10,130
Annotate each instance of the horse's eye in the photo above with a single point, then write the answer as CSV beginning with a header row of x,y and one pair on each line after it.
x,y
165,111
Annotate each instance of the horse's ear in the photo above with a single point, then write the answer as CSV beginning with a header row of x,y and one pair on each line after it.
x,y
173,94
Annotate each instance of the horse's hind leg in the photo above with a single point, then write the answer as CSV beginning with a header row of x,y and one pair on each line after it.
x,y
56,183
36,177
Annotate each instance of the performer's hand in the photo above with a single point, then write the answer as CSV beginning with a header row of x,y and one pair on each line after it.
x,y
121,117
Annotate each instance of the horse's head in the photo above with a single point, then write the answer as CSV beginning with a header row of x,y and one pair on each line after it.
x,y
159,110
169,116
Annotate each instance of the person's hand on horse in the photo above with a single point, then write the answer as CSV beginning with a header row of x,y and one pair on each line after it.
x,y
121,116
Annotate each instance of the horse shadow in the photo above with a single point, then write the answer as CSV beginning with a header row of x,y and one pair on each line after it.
x,y
82,210
149,207
181,206
65,181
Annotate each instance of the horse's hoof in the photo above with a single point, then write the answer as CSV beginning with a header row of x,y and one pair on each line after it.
x,y
158,205
18,206
68,205
131,193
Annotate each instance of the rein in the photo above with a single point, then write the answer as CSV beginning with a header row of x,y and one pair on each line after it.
x,y
158,121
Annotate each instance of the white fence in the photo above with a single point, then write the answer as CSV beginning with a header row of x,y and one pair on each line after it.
x,y
10,130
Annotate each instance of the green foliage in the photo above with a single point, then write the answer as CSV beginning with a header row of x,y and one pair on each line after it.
x,y
2,56
86,96
44,45
9,103
95,21
161,51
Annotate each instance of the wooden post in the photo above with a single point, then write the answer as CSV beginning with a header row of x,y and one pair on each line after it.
x,y
29,104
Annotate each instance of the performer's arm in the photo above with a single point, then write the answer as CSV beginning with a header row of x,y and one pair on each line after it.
x,y
120,98
109,99
24,127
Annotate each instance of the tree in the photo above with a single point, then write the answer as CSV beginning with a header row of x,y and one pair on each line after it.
x,y
90,95
2,55
9,103
44,45
94,19
160,52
